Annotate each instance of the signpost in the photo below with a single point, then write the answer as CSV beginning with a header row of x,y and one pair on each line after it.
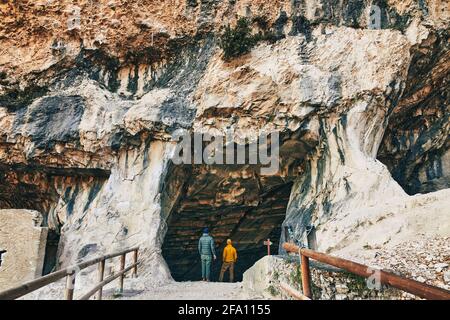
x,y
268,244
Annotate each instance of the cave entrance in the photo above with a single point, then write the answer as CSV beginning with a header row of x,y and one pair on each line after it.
x,y
234,203
51,252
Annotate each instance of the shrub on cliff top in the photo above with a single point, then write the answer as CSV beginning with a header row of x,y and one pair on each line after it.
x,y
237,41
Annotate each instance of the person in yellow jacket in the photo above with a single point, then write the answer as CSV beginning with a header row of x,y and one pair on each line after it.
x,y
229,259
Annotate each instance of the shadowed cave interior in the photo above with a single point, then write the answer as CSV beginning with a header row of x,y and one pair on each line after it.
x,y
234,202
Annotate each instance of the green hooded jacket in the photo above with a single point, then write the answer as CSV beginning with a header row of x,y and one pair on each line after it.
x,y
206,245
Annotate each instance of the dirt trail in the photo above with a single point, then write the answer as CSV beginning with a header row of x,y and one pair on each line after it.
x,y
190,290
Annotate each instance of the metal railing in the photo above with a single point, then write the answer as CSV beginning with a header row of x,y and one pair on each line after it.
x,y
70,275
411,286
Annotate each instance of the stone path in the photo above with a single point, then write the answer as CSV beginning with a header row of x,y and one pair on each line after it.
x,y
195,290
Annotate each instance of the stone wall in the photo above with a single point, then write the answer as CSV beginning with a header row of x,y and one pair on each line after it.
x,y
264,279
24,239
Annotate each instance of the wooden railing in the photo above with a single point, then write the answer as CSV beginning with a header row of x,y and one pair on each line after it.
x,y
414,287
70,274
292,292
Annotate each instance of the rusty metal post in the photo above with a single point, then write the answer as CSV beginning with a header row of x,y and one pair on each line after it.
x,y
101,272
135,260
70,285
306,278
122,266
268,244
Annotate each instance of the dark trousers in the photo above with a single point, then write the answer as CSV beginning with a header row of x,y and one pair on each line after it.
x,y
225,267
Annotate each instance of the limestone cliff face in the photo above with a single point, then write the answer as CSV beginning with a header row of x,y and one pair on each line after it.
x,y
91,91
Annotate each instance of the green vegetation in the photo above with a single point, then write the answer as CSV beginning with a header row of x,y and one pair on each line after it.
x,y
239,40
273,291
357,283
296,276
276,275
316,291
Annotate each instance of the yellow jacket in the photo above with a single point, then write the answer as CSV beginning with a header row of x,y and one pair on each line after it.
x,y
229,253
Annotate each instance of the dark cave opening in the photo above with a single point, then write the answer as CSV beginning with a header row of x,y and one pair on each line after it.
x,y
246,208
235,201
51,252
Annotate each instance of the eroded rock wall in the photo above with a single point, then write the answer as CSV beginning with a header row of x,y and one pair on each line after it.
x,y
90,93
415,147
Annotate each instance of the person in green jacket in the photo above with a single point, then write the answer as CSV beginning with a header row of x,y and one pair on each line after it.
x,y
207,253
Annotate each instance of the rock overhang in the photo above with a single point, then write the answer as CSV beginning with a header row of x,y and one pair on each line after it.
x,y
329,73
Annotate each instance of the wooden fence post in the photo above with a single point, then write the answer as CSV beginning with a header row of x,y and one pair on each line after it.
x,y
101,272
122,267
70,285
135,260
306,276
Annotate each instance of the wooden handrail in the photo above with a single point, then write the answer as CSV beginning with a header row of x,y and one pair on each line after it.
x,y
293,293
69,272
412,286
106,281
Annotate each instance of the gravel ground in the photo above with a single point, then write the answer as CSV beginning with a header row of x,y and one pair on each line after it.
x,y
425,259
